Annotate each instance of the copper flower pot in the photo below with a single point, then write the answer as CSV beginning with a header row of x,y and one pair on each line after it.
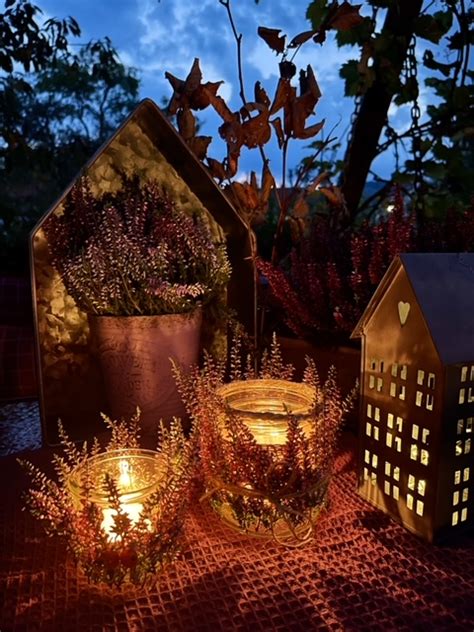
x,y
136,354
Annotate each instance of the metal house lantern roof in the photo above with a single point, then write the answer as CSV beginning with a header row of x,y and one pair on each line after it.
x,y
444,288
146,144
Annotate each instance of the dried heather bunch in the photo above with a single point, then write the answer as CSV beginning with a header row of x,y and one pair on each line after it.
x,y
133,252
139,549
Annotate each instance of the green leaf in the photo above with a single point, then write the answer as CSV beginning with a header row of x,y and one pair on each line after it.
x,y
316,12
357,35
434,169
349,72
429,28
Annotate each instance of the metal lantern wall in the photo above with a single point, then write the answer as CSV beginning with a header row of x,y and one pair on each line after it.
x,y
416,459
70,378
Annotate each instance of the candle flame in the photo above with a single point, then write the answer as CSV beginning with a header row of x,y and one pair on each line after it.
x,y
125,478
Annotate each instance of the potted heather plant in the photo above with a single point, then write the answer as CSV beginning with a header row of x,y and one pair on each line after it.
x,y
143,270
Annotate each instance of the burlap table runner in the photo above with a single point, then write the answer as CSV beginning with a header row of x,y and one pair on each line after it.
x,y
362,572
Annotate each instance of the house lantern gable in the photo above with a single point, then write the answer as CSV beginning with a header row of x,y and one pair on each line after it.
x,y
146,144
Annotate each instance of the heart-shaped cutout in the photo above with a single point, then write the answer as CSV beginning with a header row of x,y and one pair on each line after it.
x,y
403,311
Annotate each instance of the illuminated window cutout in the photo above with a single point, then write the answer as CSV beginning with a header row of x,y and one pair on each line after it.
x,y
420,377
394,370
398,444
418,398
458,448
368,429
420,505
396,473
414,431
388,468
472,373
467,446
465,475
464,514
470,396
371,381
410,501
395,492
425,435
375,460
399,424
393,389
390,420
369,411
379,384
455,498
455,518
424,457
401,394
413,452
465,495
367,456
376,433
373,478
403,372
388,439
421,487
429,402
460,426
464,373
411,482
431,380
457,477
469,424
386,488
462,395
377,413
366,473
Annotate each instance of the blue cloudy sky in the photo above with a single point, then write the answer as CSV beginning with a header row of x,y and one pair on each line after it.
x,y
155,36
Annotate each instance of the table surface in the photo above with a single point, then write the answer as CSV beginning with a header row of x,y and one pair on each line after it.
x,y
362,571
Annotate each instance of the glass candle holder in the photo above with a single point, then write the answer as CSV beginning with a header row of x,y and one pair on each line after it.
x,y
136,474
264,405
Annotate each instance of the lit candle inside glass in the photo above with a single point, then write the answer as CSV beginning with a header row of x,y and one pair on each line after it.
x,y
126,480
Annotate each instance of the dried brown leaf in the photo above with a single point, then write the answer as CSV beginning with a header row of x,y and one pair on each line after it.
x,y
268,184
199,145
333,194
200,98
346,17
186,123
217,169
301,38
256,131
282,95
260,95
277,126
272,38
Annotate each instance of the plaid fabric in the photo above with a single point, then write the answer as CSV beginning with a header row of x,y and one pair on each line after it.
x,y
15,301
17,362
361,572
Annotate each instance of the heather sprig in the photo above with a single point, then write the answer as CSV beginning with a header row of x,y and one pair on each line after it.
x,y
133,252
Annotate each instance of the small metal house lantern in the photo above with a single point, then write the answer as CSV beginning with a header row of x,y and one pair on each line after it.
x,y
146,144
416,459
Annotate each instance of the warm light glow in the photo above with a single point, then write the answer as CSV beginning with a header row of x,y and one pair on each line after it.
x,y
133,511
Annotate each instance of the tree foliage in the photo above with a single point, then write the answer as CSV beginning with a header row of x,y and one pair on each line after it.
x,y
56,108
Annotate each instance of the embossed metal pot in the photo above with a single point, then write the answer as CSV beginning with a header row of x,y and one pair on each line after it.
x,y
135,354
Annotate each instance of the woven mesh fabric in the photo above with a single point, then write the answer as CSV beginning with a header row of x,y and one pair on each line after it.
x,y
361,572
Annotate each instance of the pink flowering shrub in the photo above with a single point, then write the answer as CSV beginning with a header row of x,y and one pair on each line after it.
x,y
330,277
134,253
